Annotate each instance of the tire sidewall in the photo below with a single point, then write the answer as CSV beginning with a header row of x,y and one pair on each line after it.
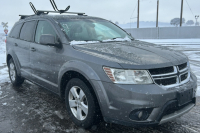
x,y
89,120
11,61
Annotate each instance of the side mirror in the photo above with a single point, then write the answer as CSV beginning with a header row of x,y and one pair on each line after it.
x,y
48,39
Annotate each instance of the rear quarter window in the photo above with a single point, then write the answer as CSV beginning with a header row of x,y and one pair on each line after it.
x,y
27,31
15,31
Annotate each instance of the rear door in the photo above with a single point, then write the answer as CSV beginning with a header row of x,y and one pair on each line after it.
x,y
22,47
42,56
11,41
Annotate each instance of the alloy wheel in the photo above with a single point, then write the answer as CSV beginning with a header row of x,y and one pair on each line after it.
x,y
78,103
12,72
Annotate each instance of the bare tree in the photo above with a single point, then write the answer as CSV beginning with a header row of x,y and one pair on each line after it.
x,y
176,21
190,22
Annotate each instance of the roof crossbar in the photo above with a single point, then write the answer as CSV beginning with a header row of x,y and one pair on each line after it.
x,y
46,12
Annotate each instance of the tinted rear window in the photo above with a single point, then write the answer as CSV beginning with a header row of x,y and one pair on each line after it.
x,y
15,31
27,31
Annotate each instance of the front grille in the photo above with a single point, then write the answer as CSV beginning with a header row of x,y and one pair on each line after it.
x,y
161,70
168,81
184,76
182,66
174,75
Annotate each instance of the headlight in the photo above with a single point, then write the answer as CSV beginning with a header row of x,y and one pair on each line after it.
x,y
128,76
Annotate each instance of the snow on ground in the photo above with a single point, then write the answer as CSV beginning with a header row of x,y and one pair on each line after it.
x,y
2,50
173,41
3,70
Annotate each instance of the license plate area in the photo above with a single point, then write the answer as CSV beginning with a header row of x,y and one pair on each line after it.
x,y
184,97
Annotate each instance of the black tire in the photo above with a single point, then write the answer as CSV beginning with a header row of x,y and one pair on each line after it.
x,y
17,80
93,116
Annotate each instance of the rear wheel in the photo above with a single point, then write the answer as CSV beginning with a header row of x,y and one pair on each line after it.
x,y
81,104
14,78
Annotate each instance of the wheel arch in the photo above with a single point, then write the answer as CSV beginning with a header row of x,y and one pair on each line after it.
x,y
17,65
8,57
77,69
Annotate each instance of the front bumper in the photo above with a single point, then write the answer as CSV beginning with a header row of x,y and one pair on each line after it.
x,y
118,101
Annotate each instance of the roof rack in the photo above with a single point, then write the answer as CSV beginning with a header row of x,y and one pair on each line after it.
x,y
25,16
39,12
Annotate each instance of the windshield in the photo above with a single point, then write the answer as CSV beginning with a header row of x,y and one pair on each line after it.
x,y
92,30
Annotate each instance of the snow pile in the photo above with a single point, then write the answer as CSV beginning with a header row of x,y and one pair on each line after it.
x,y
4,75
118,39
3,69
2,50
108,40
4,104
82,42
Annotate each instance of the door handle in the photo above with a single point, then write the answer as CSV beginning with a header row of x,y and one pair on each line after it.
x,y
16,44
33,49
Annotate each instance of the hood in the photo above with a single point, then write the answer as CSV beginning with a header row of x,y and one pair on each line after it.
x,y
134,54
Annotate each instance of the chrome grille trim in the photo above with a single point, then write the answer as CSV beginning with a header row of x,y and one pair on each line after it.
x,y
174,74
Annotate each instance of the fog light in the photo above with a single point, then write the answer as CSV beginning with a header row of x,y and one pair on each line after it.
x,y
140,115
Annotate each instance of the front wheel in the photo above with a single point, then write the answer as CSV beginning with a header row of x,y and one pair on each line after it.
x,y
81,104
14,78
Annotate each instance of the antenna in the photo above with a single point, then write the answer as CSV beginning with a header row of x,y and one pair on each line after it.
x,y
33,7
56,9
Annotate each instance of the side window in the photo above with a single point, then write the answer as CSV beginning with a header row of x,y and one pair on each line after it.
x,y
44,27
27,31
15,31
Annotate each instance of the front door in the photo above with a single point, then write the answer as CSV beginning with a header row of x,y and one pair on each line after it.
x,y
41,57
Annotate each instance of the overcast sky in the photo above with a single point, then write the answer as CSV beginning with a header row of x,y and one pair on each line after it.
x,y
115,10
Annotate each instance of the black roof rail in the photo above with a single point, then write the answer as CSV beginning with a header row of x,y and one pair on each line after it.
x,y
25,16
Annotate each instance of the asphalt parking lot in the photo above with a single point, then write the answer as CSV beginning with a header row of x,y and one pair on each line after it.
x,y
31,109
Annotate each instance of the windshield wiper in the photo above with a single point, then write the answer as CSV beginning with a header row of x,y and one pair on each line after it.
x,y
117,37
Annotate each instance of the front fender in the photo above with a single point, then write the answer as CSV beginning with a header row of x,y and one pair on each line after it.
x,y
80,67
91,76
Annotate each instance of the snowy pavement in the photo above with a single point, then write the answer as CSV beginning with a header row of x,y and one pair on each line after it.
x,y
31,109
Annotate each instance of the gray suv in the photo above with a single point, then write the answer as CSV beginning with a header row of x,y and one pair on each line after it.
x,y
100,70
